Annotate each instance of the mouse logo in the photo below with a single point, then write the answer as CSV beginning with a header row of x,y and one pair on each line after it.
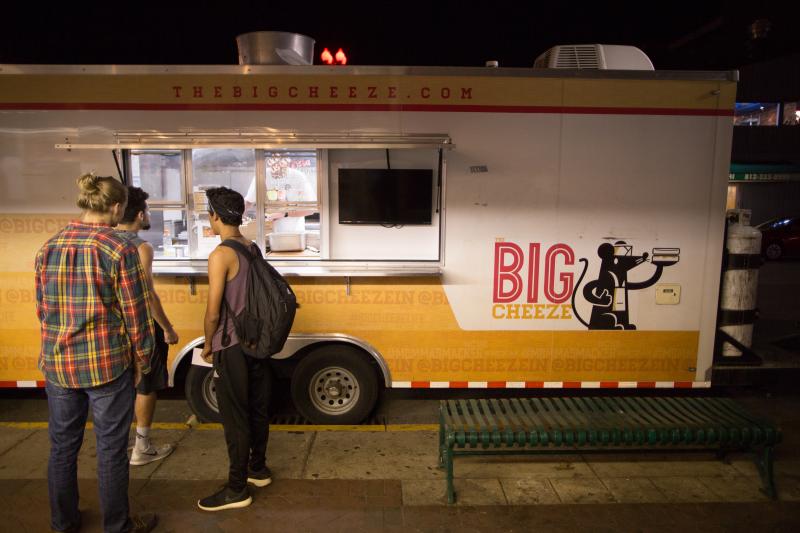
x,y
608,294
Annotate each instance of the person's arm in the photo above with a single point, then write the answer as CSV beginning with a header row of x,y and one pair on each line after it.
x,y
39,288
217,274
290,213
300,213
146,256
133,295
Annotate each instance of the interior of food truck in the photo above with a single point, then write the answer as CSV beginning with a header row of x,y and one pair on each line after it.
x,y
301,204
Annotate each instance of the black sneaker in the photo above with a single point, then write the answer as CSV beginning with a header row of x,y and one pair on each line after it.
x,y
259,478
143,523
225,499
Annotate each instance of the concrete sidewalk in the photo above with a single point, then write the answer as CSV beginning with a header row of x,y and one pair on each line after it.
x,y
333,506
387,478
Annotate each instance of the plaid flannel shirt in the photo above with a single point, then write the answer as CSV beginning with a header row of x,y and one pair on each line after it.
x,y
92,302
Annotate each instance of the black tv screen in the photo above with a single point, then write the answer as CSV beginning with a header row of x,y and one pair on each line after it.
x,y
385,196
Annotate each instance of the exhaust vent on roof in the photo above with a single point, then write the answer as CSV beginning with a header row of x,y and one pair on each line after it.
x,y
594,57
275,48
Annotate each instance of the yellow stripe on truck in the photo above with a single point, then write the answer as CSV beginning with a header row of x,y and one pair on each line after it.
x,y
408,320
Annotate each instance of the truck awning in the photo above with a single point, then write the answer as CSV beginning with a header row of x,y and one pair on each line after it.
x,y
269,140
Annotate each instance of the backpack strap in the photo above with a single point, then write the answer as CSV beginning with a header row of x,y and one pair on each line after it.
x,y
250,252
251,256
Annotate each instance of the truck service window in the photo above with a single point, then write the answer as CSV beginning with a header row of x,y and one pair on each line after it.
x,y
292,205
214,167
160,174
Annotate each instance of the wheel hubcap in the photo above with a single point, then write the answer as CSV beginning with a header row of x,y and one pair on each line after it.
x,y
773,251
209,391
333,390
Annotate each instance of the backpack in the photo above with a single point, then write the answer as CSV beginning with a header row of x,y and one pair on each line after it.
x,y
270,305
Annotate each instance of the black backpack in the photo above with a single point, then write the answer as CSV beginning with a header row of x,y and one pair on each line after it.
x,y
264,324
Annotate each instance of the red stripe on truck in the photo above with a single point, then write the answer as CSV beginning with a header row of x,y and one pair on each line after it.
x,y
424,108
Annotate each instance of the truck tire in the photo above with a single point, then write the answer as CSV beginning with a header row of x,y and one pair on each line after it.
x,y
774,251
200,393
335,385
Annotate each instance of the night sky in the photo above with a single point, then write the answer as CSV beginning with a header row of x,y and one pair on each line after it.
x,y
676,35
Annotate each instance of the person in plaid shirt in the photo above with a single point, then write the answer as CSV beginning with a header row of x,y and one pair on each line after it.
x,y
97,337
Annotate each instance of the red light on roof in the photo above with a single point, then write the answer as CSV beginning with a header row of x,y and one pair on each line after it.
x,y
326,57
340,57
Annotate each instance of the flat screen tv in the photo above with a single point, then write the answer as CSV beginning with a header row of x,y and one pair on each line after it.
x,y
385,196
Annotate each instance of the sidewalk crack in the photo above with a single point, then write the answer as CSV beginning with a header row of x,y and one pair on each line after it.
x,y
503,491
186,433
308,455
26,437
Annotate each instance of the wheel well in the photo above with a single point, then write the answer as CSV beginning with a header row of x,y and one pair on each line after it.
x,y
179,378
285,367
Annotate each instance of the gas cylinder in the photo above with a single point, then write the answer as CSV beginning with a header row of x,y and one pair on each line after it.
x,y
740,281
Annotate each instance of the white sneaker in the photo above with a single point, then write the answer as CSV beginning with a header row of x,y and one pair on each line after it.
x,y
153,453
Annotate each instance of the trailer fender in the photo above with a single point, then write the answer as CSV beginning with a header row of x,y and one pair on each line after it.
x,y
187,349
294,344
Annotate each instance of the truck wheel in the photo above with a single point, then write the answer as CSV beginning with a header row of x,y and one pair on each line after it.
x,y
335,385
774,251
201,393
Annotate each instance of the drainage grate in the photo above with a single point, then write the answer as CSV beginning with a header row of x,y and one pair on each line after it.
x,y
292,419
288,420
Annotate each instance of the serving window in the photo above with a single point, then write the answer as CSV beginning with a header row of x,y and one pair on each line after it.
x,y
177,181
210,168
292,206
161,174
348,204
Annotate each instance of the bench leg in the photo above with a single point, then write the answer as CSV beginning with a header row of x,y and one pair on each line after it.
x,y
448,464
764,464
722,455
441,445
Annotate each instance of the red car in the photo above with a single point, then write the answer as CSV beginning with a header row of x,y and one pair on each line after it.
x,y
780,237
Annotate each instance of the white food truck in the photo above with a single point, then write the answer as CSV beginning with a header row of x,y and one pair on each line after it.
x,y
442,227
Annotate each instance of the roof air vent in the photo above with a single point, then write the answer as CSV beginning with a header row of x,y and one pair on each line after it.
x,y
594,57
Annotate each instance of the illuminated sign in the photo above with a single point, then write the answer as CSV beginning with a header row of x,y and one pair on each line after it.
x,y
340,58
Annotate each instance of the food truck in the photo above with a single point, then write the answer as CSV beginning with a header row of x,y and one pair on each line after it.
x,y
482,228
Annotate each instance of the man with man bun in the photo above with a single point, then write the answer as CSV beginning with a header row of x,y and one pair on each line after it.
x,y
97,338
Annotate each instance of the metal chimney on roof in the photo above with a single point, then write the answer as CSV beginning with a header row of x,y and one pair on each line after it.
x,y
275,48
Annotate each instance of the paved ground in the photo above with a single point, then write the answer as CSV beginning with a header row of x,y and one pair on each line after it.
x,y
386,479
356,506
778,300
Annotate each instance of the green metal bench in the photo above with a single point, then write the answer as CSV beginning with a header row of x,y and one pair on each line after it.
x,y
584,424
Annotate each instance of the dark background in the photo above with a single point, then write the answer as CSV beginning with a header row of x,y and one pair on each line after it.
x,y
676,35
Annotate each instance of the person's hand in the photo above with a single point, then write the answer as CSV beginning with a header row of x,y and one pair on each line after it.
x,y
206,354
170,336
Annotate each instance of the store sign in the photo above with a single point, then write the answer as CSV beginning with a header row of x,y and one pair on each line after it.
x,y
520,293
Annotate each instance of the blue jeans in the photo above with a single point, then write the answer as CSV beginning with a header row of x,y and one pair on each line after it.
x,y
112,413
